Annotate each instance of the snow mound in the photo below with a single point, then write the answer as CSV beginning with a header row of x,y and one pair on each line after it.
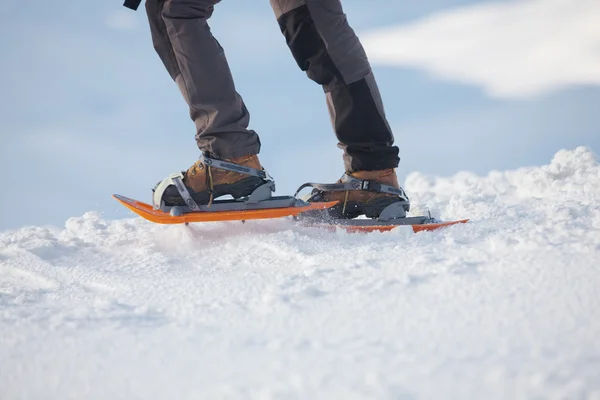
x,y
506,306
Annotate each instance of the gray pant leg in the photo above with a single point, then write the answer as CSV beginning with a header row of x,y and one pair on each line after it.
x,y
197,63
326,47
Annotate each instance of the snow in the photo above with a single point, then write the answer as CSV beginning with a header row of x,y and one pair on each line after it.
x,y
507,306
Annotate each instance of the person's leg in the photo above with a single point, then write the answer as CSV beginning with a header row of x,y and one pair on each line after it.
x,y
324,45
197,63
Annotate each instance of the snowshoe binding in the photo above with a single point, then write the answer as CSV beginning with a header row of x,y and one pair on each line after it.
x,y
209,179
373,194
367,193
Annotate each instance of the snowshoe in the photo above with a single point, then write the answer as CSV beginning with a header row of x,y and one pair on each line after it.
x,y
375,195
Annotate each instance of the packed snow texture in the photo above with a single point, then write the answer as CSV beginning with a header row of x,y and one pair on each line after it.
x,y
505,307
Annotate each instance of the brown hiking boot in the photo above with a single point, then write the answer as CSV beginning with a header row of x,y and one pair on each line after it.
x,y
353,203
206,183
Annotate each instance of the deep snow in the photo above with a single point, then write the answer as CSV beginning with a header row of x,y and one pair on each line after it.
x,y
505,307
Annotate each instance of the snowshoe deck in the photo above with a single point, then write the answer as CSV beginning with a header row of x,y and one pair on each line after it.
x,y
147,212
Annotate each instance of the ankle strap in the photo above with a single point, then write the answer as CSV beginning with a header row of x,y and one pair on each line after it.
x,y
351,183
228,166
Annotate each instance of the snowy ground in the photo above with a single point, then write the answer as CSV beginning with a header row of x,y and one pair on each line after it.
x,y
505,307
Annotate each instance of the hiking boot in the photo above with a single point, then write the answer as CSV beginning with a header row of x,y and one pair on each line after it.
x,y
206,183
361,201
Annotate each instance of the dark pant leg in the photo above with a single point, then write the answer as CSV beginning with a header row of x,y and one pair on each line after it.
x,y
197,62
324,45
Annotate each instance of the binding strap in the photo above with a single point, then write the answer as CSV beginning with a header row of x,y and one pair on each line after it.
x,y
132,4
175,179
228,166
351,183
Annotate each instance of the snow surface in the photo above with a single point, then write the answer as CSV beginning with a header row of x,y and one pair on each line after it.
x,y
505,307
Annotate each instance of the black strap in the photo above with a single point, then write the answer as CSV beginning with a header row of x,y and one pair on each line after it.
x,y
132,4
328,187
228,166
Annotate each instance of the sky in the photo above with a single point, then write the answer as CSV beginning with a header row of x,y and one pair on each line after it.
x,y
87,109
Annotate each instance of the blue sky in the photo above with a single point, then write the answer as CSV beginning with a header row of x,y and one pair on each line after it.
x,y
87,109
